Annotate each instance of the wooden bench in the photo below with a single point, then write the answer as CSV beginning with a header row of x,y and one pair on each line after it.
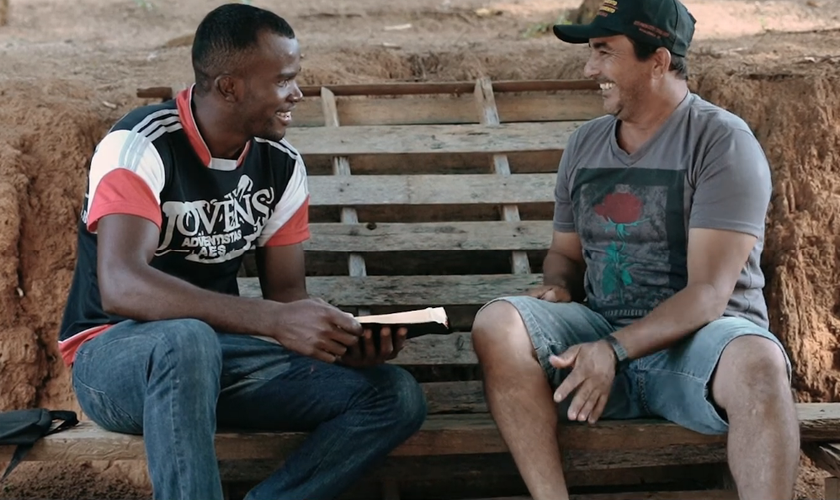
x,y
449,204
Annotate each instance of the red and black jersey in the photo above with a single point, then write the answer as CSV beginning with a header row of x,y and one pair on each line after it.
x,y
154,164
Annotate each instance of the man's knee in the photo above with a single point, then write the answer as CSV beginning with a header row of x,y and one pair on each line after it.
x,y
187,344
401,397
498,327
751,368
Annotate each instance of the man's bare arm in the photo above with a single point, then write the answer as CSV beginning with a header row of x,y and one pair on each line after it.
x,y
130,287
563,265
282,272
715,260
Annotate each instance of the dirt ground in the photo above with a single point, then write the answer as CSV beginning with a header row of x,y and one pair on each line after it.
x,y
68,69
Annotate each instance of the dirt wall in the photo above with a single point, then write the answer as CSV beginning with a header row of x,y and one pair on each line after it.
x,y
796,120
46,136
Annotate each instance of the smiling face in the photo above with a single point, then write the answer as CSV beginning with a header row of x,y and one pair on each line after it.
x,y
270,90
626,82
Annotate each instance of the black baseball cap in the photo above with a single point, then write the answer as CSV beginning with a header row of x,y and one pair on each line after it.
x,y
661,23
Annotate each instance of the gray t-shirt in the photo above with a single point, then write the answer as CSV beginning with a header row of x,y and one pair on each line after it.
x,y
702,169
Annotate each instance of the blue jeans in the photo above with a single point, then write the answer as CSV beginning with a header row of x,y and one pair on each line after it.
x,y
173,381
674,384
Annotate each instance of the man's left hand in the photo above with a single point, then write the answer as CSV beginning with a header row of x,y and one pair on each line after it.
x,y
593,371
364,353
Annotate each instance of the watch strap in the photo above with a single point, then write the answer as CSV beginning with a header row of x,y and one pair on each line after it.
x,y
621,359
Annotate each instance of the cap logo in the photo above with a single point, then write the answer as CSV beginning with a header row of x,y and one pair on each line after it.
x,y
650,30
608,7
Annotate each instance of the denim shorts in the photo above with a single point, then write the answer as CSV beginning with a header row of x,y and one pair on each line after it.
x,y
674,384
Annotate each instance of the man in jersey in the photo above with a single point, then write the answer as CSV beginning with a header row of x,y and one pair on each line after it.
x,y
652,301
159,341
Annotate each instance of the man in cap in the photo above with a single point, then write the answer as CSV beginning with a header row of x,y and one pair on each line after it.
x,y
652,301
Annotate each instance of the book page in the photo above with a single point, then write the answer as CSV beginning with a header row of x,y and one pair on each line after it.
x,y
428,315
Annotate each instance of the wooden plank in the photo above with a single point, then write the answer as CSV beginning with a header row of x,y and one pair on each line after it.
x,y
390,489
418,263
441,435
4,12
429,350
408,290
826,456
341,167
415,88
493,487
479,468
490,117
543,108
455,397
818,422
832,488
430,189
534,162
649,495
396,139
429,236
635,440
451,110
418,88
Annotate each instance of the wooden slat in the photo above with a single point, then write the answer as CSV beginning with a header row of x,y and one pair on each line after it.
x,y
390,489
415,88
646,495
326,190
451,110
430,350
414,263
161,92
341,168
430,236
832,488
493,487
479,468
826,456
396,139
499,163
450,435
542,108
535,162
408,290
455,397
419,88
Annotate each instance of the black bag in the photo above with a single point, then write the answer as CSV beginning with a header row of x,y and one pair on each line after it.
x,y
24,427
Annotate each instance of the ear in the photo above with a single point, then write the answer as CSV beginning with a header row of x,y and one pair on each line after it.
x,y
228,87
661,62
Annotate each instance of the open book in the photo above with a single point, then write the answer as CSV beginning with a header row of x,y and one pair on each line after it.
x,y
418,322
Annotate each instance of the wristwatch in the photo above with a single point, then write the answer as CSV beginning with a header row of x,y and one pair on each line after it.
x,y
621,359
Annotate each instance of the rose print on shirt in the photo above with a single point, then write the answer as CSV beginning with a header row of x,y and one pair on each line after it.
x,y
622,211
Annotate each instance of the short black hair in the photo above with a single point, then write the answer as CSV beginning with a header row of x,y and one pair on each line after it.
x,y
225,34
645,51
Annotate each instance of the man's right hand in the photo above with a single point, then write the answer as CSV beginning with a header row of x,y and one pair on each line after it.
x,y
551,293
314,328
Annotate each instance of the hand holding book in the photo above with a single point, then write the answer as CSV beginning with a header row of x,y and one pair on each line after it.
x,y
385,335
